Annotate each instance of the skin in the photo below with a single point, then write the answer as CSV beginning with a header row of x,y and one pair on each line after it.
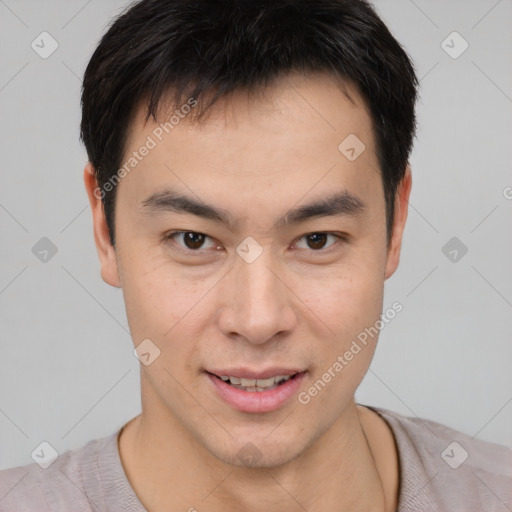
x,y
297,305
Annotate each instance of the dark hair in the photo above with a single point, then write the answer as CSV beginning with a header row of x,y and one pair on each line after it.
x,y
160,50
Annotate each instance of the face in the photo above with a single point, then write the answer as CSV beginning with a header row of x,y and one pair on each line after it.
x,y
251,246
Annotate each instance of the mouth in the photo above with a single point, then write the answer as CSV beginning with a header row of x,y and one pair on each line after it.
x,y
256,392
255,385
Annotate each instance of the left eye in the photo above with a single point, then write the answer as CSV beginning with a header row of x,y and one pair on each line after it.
x,y
317,241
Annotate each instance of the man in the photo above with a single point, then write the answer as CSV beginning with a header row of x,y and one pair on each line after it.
x,y
248,178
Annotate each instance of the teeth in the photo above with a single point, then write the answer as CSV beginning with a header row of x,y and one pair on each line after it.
x,y
255,384
279,378
264,383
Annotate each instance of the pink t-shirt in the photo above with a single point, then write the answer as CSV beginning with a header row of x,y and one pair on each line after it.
x,y
441,469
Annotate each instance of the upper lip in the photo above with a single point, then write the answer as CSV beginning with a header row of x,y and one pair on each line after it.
x,y
255,374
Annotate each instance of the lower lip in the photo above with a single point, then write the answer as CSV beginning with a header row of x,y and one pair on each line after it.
x,y
257,401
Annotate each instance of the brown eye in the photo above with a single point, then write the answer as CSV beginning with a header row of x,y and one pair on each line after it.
x,y
191,240
316,240
321,242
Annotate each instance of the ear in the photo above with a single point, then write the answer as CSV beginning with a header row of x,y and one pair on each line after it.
x,y
106,252
401,209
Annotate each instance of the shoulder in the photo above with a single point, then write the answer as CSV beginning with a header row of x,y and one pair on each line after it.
x,y
444,469
72,478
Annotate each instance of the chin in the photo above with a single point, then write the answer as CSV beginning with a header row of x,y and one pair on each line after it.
x,y
258,451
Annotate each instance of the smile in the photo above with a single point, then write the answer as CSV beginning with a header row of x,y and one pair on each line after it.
x,y
256,392
256,384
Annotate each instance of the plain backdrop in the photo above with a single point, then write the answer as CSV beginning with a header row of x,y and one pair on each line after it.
x,y
67,371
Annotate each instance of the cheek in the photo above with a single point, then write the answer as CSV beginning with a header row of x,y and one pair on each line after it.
x,y
346,298
155,296
351,307
170,308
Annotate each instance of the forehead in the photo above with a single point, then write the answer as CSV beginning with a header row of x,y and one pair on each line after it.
x,y
323,101
283,140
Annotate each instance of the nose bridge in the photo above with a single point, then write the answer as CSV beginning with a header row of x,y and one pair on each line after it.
x,y
258,306
258,280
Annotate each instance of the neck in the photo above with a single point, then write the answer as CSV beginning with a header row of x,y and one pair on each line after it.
x,y
349,468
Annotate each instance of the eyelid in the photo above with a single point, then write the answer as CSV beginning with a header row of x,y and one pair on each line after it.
x,y
169,237
341,237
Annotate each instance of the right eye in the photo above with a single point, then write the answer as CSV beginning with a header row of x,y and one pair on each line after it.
x,y
191,240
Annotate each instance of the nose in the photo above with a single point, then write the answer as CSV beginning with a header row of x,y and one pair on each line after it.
x,y
257,304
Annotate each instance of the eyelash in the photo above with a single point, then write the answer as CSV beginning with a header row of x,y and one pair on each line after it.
x,y
340,236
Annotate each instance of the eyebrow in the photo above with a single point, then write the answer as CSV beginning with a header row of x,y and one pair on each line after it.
x,y
339,204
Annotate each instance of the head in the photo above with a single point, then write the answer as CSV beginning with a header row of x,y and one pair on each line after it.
x,y
248,177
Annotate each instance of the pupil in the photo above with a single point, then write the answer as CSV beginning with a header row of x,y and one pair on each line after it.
x,y
193,240
318,240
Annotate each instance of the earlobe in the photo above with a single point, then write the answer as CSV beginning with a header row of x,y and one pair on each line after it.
x,y
106,252
400,217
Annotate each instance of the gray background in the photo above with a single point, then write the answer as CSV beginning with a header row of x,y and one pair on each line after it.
x,y
67,371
